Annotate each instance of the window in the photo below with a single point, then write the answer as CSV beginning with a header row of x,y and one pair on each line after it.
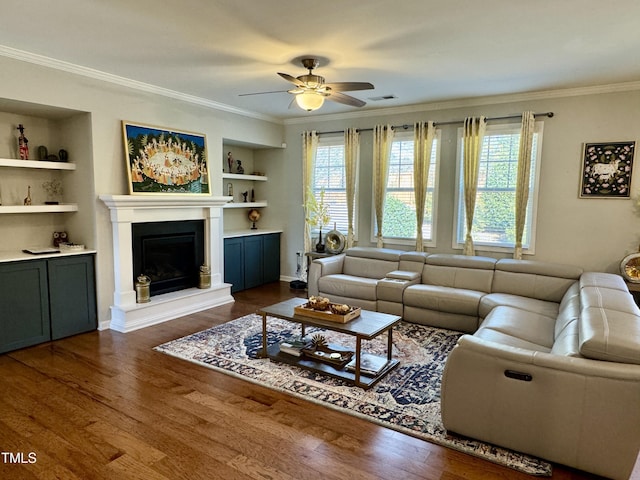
x,y
329,174
399,220
494,216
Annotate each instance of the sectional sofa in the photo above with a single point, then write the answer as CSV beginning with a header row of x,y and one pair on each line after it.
x,y
550,365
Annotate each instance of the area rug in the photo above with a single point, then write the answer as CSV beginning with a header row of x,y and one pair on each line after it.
x,y
406,400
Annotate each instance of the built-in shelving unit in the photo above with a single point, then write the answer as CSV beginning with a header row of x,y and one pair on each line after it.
x,y
51,129
246,204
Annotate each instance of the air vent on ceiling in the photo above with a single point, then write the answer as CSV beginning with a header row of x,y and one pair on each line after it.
x,y
382,97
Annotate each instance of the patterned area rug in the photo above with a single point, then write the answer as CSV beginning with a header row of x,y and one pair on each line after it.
x,y
406,400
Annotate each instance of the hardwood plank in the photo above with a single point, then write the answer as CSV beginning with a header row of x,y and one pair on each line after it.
x,y
104,405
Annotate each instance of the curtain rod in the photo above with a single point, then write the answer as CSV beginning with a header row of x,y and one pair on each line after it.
x,y
438,124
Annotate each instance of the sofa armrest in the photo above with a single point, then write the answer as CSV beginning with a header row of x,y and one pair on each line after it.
x,y
321,267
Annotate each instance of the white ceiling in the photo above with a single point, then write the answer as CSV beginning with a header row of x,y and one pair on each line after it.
x,y
418,50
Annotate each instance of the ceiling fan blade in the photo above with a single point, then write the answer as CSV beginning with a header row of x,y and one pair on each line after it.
x,y
291,79
261,93
346,99
349,86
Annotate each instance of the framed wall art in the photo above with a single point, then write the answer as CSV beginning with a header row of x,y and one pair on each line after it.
x,y
606,170
163,161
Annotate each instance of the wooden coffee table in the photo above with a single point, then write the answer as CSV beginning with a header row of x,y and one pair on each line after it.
x,y
365,327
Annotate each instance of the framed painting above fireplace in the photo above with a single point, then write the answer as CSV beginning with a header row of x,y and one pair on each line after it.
x,y
163,161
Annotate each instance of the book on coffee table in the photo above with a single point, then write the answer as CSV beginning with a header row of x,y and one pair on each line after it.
x,y
294,346
370,364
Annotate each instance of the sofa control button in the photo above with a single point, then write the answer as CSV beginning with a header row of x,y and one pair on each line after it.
x,y
525,377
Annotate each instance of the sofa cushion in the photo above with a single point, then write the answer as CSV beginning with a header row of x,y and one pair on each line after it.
x,y
608,298
609,335
368,267
348,286
496,336
604,280
493,300
443,299
527,278
412,261
459,271
529,326
387,254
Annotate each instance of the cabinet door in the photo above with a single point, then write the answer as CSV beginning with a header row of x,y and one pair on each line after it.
x,y
72,296
271,243
24,305
234,263
253,255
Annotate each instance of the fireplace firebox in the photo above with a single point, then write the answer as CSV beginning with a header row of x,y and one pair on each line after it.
x,y
169,253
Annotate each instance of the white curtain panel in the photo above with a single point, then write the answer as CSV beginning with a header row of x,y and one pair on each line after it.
x,y
423,135
309,149
474,129
382,140
352,163
523,178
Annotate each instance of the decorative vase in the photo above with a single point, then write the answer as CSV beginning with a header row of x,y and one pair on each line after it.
x,y
320,245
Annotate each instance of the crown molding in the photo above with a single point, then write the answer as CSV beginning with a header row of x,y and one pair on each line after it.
x,y
126,82
473,102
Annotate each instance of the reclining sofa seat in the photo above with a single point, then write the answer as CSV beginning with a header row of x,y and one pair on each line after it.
x,y
450,293
563,388
352,277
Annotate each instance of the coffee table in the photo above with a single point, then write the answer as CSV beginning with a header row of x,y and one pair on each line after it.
x,y
367,326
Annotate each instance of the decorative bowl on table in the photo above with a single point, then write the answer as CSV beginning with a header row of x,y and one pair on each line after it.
x,y
319,303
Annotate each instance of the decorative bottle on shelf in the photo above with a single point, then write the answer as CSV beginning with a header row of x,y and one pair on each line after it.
x,y
23,144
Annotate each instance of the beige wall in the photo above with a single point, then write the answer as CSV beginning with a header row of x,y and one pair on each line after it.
x,y
593,233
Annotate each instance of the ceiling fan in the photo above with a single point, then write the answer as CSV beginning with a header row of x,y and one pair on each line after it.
x,y
311,90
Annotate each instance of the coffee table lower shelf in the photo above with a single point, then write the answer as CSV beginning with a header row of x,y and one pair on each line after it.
x,y
366,381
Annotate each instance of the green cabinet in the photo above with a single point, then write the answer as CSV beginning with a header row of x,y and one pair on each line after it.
x,y
251,261
46,299
24,303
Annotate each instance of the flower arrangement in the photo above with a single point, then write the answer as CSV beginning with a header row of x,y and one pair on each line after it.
x,y
317,212
53,189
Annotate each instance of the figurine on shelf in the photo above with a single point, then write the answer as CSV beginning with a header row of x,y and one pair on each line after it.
x,y
230,162
27,199
23,144
230,191
240,168
253,195
244,196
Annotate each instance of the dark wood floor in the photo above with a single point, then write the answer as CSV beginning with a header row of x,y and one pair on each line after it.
x,y
105,405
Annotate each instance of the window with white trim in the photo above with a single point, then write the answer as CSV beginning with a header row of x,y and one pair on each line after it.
x,y
329,174
494,216
399,216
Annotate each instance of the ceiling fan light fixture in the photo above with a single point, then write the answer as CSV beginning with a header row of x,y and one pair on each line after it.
x,y
309,100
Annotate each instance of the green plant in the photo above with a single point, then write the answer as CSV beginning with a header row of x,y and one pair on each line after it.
x,y
316,211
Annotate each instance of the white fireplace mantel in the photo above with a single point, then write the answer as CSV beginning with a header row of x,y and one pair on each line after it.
x,y
126,314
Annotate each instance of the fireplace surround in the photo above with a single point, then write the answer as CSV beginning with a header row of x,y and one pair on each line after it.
x,y
129,210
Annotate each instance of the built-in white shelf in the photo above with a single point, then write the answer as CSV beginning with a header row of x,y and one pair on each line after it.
x,y
239,176
245,204
11,162
63,207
